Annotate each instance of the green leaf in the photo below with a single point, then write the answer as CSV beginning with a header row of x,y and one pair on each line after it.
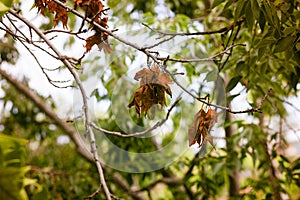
x,y
284,44
3,9
11,183
4,6
231,97
239,66
266,42
8,141
261,52
262,21
211,76
232,83
249,16
216,3
255,8
240,8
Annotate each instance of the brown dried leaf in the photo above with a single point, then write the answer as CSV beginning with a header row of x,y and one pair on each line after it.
x,y
60,12
41,5
151,91
99,39
199,130
145,75
61,15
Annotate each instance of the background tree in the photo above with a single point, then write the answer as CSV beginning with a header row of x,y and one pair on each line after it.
x,y
237,58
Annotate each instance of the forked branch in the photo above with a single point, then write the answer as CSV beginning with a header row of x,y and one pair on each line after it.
x,y
69,66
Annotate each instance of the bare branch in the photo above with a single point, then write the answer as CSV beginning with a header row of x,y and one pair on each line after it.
x,y
158,43
222,30
70,130
52,82
119,134
83,93
67,32
212,58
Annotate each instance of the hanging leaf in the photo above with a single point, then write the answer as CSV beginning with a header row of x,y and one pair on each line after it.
x,y
153,86
60,12
99,39
198,132
232,83
93,10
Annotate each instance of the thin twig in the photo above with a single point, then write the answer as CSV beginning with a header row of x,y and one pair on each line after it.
x,y
222,65
67,32
156,125
222,30
212,58
9,31
159,43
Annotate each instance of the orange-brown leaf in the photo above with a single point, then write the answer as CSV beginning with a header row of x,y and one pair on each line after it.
x,y
99,39
199,130
164,79
60,12
41,5
61,15
153,86
145,75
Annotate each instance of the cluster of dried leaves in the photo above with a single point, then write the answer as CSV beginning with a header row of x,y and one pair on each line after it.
x,y
93,10
153,86
199,131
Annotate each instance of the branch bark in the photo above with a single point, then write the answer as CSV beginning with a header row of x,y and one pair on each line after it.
x,y
69,66
38,101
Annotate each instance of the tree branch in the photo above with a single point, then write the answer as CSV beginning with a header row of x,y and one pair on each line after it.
x,y
119,134
212,58
69,130
156,60
66,128
222,30
83,93
52,82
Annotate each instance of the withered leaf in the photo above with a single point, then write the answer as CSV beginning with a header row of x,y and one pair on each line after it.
x,y
93,10
153,86
99,39
198,132
60,12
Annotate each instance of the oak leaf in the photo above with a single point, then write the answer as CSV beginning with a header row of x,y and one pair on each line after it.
x,y
198,132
